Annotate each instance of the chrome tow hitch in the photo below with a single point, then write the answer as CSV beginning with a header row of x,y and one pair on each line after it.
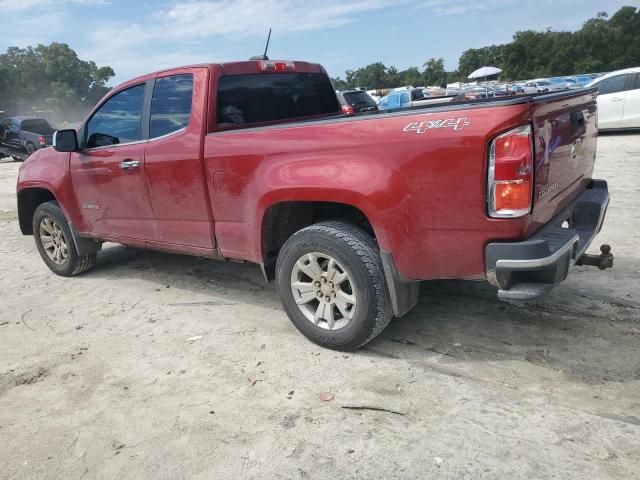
x,y
602,261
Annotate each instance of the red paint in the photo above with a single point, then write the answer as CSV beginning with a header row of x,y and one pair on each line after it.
x,y
205,192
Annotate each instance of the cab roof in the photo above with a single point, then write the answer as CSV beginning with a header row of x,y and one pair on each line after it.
x,y
231,68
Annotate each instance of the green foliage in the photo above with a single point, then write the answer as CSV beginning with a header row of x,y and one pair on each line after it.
x,y
50,78
475,58
602,44
434,72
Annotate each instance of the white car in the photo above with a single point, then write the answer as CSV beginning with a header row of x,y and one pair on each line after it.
x,y
618,99
537,86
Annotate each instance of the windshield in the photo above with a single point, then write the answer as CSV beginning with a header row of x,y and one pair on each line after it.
x,y
38,126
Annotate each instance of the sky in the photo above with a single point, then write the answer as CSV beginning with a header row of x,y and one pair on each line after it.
x,y
137,37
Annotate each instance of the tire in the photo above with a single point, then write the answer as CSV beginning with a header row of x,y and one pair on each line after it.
x,y
30,149
356,255
51,231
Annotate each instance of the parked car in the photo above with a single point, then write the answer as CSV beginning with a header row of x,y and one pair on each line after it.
x,y
253,161
25,134
582,80
570,83
541,86
515,89
559,84
618,99
356,101
483,91
405,98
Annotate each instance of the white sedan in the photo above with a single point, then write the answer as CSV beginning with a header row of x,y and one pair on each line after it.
x,y
539,86
618,99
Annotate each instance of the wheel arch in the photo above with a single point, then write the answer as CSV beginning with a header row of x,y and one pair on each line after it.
x,y
282,219
28,200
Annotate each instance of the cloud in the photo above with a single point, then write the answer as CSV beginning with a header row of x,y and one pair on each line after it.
x,y
8,6
185,24
456,10
184,31
192,20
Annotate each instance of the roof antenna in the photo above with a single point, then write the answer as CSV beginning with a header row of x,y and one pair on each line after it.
x,y
263,56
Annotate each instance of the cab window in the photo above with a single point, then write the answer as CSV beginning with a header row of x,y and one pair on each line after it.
x,y
170,105
258,98
118,120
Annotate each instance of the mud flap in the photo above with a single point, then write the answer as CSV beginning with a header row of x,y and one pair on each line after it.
x,y
403,292
84,246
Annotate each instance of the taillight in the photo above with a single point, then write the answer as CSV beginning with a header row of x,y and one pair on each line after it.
x,y
347,109
42,140
269,66
511,173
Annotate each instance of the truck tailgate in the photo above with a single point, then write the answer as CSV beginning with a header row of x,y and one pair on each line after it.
x,y
565,139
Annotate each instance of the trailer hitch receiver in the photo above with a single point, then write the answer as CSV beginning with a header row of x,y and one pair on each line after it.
x,y
602,261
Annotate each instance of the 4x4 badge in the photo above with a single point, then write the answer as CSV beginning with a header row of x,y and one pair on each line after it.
x,y
453,123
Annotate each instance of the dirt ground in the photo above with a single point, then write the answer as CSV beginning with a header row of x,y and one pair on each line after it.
x,y
158,366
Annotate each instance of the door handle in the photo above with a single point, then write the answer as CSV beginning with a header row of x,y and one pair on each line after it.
x,y
617,99
128,164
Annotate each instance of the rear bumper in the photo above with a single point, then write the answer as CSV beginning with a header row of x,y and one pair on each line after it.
x,y
526,270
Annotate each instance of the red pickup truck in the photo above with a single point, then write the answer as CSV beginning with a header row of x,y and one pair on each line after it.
x,y
254,161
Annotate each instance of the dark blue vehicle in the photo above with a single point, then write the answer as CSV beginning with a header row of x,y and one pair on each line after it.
x,y
21,136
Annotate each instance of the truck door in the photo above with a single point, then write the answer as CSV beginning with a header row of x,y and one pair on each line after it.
x,y
108,173
611,97
631,116
173,158
12,134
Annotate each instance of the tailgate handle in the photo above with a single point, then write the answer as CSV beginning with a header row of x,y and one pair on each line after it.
x,y
578,126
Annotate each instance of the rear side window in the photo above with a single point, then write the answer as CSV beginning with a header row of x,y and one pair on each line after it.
x,y
170,105
358,99
612,84
267,97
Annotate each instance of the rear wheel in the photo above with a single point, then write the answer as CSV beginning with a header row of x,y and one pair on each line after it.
x,y
55,242
331,283
31,148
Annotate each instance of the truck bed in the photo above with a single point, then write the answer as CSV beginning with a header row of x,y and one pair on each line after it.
x,y
393,166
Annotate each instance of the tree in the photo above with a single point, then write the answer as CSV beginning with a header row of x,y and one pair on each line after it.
x,y
434,72
50,78
475,58
411,76
339,84
603,43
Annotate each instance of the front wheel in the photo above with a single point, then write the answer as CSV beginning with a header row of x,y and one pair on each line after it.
x,y
54,241
332,286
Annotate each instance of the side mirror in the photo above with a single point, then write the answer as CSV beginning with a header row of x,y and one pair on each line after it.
x,y
65,141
